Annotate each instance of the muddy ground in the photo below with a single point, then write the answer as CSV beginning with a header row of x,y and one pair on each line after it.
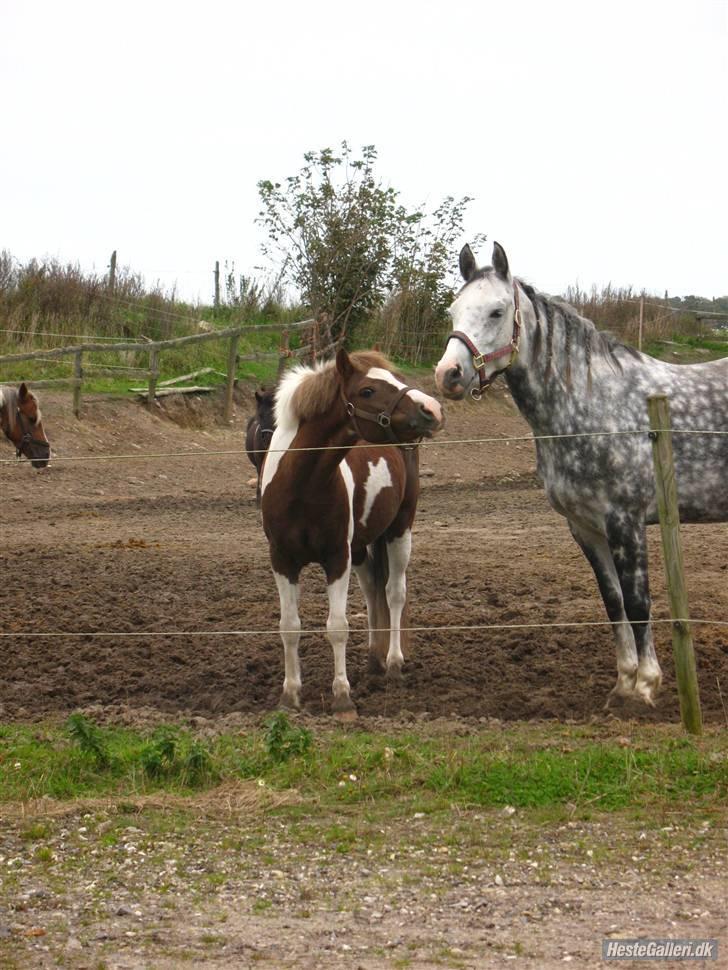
x,y
150,544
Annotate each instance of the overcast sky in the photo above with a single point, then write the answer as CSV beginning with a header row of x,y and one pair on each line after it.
x,y
594,137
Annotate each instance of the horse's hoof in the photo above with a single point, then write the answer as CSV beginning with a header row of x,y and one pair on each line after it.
x,y
394,674
288,702
375,665
343,708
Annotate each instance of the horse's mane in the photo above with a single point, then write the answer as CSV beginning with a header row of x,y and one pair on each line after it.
x,y
9,404
307,392
580,336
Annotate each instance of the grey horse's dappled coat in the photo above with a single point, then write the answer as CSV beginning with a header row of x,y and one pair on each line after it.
x,y
568,378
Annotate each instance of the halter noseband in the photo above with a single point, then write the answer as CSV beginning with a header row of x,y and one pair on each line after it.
x,y
27,438
480,360
383,419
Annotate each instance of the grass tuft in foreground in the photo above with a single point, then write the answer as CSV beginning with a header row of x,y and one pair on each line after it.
x,y
527,766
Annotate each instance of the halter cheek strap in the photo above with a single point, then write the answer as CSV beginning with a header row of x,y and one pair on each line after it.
x,y
383,419
27,438
480,360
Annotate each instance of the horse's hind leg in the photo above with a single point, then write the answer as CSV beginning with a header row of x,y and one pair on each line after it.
x,y
628,543
337,630
367,582
595,547
398,555
290,627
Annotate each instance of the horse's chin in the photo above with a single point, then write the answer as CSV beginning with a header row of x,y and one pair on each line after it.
x,y
456,393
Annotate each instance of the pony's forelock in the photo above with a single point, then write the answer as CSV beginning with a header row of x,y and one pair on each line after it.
x,y
305,392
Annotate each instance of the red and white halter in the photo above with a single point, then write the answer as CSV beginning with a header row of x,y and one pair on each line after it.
x,y
480,360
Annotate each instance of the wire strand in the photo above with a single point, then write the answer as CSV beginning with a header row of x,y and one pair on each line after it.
x,y
315,631
436,443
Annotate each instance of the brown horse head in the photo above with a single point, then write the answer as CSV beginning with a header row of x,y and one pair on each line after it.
x,y
381,406
22,423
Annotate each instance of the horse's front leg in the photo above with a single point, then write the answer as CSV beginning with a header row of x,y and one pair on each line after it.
x,y
337,630
628,544
398,557
595,547
290,627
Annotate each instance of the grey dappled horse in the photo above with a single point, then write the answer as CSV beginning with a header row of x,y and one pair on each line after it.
x,y
566,377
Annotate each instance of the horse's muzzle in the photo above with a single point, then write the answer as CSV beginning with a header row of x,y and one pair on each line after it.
x,y
425,423
451,382
39,453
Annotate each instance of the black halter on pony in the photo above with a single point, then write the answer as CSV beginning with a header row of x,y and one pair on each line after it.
x,y
383,419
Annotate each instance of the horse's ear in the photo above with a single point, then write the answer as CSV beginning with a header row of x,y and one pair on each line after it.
x,y
500,262
468,266
23,391
344,367
258,394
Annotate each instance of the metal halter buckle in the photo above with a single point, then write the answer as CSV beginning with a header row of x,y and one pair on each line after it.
x,y
478,361
383,420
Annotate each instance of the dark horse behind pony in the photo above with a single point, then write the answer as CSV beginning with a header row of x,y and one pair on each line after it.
x,y
22,424
260,430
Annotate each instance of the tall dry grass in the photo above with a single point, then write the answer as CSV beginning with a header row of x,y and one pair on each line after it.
x,y
617,309
47,297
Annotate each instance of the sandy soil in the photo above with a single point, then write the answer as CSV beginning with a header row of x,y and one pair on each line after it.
x,y
176,545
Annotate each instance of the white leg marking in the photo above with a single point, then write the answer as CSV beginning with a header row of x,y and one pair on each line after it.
x,y
649,675
290,623
337,628
398,556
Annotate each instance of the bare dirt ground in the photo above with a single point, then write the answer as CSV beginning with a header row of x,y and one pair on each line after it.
x,y
176,545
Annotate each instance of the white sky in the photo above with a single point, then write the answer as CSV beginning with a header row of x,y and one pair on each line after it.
x,y
594,137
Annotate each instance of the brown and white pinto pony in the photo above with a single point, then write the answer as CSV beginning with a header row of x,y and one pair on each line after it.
x,y
22,423
344,507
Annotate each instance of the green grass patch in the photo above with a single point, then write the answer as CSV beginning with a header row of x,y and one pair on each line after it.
x,y
526,766
689,348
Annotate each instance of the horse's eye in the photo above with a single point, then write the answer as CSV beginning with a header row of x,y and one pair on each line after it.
x,y
366,392
496,314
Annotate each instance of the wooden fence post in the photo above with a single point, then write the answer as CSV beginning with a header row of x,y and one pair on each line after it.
x,y
667,507
112,272
284,352
642,320
77,378
217,284
231,369
153,376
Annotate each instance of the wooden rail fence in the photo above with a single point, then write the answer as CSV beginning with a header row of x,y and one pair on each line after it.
x,y
155,348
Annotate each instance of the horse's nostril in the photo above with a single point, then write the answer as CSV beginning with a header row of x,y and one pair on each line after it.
x,y
454,374
427,414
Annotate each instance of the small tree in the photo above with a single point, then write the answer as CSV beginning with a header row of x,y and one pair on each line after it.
x,y
334,226
348,245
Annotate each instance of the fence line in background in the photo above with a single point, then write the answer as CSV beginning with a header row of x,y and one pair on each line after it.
x,y
155,348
